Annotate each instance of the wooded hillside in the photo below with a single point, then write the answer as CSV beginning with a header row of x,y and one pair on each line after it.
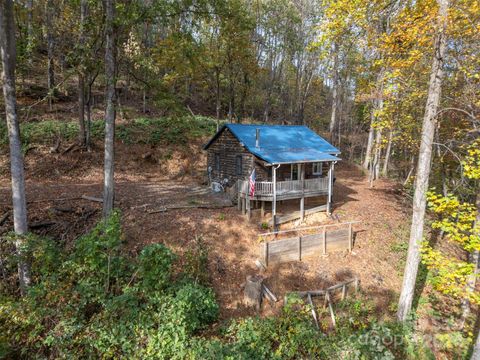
x,y
121,94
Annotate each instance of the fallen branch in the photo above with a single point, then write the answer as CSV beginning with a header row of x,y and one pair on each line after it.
x,y
200,206
177,207
54,149
268,294
40,224
157,211
68,149
63,209
31,147
4,217
45,200
92,198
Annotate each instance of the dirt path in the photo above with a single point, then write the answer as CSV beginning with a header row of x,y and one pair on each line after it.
x,y
231,239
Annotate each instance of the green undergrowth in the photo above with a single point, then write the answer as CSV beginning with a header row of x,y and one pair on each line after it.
x,y
92,300
150,131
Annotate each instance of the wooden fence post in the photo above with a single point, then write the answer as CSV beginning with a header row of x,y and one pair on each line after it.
x,y
314,314
344,291
327,296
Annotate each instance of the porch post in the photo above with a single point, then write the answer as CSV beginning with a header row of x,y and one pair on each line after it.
x,y
239,195
302,199
274,201
330,188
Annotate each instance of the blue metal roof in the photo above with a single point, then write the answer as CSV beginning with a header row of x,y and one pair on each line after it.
x,y
281,144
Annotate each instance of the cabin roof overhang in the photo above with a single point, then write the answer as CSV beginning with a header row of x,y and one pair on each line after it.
x,y
281,144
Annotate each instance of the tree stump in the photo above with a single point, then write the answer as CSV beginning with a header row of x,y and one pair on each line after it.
x,y
252,295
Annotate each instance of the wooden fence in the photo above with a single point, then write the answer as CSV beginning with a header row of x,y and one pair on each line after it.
x,y
328,294
324,238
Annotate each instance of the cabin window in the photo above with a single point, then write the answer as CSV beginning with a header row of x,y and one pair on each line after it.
x,y
238,165
217,162
317,168
293,172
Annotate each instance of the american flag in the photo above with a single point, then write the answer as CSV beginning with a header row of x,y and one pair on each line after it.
x,y
251,182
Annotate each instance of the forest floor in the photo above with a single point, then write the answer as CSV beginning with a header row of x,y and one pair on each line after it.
x,y
144,187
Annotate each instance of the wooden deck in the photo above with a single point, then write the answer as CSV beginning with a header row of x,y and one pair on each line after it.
x,y
286,190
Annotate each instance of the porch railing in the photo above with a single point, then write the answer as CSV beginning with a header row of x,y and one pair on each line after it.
x,y
265,188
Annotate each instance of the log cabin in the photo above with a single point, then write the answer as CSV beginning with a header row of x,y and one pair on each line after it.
x,y
290,162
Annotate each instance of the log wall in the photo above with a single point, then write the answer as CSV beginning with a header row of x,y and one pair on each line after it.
x,y
228,148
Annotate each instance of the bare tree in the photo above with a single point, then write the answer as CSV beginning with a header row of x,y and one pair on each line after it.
x,y
474,258
371,136
8,51
82,137
387,153
108,183
49,14
423,166
29,6
476,348
333,117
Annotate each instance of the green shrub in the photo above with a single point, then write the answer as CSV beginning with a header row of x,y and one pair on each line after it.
x,y
196,262
93,302
154,267
197,305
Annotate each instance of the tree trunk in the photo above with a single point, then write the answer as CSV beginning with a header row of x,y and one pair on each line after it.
x,y
30,31
410,171
476,349
375,166
50,48
387,154
8,51
243,97
108,184
333,117
252,295
81,78
81,110
423,166
272,79
472,279
371,136
231,102
218,104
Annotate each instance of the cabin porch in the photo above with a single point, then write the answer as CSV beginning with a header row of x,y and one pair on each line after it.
x,y
286,190
274,191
